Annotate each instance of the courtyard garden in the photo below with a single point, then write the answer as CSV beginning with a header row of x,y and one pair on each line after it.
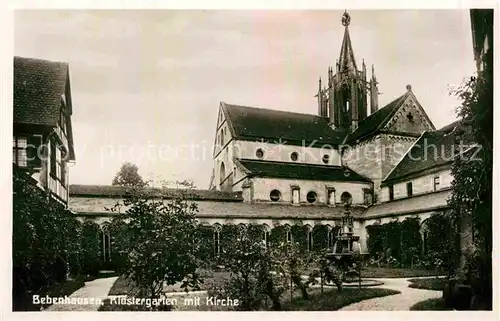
x,y
161,250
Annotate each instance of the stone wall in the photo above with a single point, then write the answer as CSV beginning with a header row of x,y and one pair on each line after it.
x,y
263,186
410,118
282,152
225,156
420,185
366,159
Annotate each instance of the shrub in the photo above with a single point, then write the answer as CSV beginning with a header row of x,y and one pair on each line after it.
x,y
45,245
162,240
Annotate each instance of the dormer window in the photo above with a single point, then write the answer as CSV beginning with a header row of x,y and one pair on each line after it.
x,y
409,189
391,192
331,196
436,183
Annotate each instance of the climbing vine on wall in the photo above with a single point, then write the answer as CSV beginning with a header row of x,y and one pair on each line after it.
x,y
400,242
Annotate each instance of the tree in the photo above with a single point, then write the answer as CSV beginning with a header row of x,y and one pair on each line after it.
x,y
246,260
162,238
294,263
473,171
128,176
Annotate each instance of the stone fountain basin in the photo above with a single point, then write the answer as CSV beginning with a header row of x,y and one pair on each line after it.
x,y
364,283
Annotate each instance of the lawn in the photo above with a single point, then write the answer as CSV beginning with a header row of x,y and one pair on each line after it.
x,y
123,286
330,300
388,272
430,305
436,284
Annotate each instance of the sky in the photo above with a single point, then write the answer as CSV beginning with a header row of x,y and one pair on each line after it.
x,y
146,84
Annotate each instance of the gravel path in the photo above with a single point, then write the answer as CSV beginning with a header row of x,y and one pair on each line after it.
x,y
397,302
97,289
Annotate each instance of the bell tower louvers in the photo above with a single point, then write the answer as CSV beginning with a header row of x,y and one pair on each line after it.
x,y
344,100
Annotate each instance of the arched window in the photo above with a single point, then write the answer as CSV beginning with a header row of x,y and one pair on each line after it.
x,y
259,153
222,174
242,229
217,230
309,238
266,236
330,237
105,242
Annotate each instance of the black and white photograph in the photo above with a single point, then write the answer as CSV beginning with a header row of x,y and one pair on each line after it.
x,y
252,160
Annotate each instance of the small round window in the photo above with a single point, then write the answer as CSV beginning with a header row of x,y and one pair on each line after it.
x,y
275,195
345,197
294,156
259,153
311,197
326,158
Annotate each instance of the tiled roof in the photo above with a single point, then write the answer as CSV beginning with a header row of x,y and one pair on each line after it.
x,y
450,127
270,210
221,209
371,124
250,123
431,150
120,191
415,204
38,86
300,171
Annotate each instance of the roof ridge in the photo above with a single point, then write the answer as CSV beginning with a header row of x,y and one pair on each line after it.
x,y
388,104
42,60
274,110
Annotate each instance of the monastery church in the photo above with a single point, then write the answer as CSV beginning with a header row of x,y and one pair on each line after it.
x,y
277,168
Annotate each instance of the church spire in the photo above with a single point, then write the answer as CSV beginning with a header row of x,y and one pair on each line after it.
x,y
346,59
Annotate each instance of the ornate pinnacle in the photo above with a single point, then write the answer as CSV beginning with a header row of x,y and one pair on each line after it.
x,y
346,19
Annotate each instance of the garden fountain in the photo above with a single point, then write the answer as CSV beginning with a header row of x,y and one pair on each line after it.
x,y
347,255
